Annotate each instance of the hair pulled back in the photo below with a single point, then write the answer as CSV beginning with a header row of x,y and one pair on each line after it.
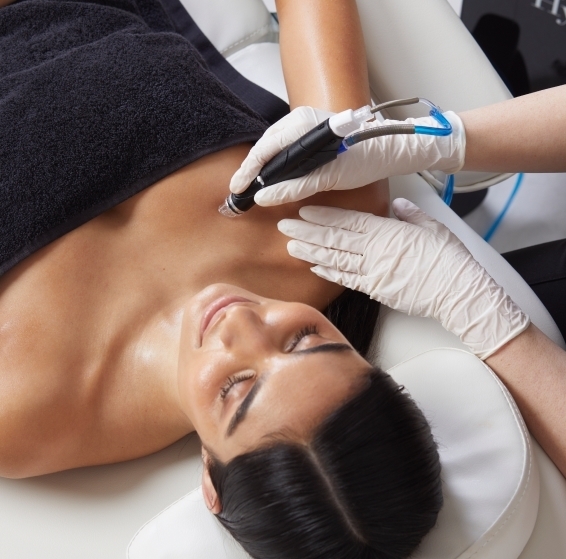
x,y
367,486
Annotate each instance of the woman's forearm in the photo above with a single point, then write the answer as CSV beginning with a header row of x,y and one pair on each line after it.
x,y
534,370
323,54
526,134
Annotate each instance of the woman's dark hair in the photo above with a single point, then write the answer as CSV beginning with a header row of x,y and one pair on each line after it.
x,y
355,314
367,486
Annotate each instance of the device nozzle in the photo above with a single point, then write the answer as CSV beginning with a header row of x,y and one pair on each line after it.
x,y
225,210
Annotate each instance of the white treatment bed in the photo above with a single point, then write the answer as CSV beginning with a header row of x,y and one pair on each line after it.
x,y
414,48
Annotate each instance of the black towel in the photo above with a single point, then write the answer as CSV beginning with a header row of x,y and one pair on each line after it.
x,y
269,106
98,100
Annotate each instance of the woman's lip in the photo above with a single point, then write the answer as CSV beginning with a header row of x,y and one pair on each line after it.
x,y
217,305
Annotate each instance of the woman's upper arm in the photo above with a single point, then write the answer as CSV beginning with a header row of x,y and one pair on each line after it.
x,y
323,53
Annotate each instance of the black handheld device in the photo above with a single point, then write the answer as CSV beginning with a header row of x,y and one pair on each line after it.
x,y
316,148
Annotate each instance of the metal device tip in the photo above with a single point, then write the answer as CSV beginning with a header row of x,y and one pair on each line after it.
x,y
225,210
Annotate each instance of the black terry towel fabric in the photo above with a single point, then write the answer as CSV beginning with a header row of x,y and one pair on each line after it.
x,y
263,102
99,100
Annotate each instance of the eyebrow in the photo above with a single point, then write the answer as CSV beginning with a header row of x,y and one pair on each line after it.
x,y
243,408
325,348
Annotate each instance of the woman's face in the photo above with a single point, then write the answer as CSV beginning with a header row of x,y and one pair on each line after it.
x,y
252,368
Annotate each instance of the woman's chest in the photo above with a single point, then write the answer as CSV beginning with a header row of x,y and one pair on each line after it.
x,y
70,313
75,304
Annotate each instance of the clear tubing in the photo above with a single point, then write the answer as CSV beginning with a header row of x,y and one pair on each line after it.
x,y
430,104
440,118
435,113
349,121
362,114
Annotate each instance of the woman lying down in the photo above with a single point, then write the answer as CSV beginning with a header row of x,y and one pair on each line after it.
x,y
132,313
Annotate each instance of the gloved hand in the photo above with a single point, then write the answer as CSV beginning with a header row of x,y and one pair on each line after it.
x,y
363,163
415,265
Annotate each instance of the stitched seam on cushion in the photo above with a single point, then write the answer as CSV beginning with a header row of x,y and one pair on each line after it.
x,y
259,31
511,403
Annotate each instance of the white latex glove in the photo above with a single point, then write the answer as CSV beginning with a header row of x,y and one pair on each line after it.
x,y
363,163
415,265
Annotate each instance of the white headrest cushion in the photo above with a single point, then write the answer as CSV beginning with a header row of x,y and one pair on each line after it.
x,y
490,478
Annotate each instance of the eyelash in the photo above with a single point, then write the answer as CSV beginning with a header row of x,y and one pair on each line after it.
x,y
309,330
233,380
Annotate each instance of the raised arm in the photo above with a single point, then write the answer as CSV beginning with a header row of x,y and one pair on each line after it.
x,y
324,64
323,54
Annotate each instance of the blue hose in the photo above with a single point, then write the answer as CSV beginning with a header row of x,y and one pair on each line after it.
x,y
495,225
448,190
430,131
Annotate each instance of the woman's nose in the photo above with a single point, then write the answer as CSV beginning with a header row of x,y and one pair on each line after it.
x,y
243,328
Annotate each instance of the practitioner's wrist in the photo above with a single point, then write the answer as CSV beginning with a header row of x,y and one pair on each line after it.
x,y
485,318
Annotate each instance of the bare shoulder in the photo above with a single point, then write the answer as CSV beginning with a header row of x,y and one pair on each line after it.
x,y
36,408
32,439
59,409
42,365
71,392
6,2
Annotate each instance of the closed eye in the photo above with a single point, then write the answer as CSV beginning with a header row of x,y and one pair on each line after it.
x,y
233,380
310,330
240,414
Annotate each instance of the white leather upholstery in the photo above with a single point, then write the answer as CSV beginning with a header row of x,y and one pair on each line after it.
x,y
548,540
423,48
261,64
403,337
490,477
230,25
491,484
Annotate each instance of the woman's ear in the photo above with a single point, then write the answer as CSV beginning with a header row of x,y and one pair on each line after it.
x,y
211,499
